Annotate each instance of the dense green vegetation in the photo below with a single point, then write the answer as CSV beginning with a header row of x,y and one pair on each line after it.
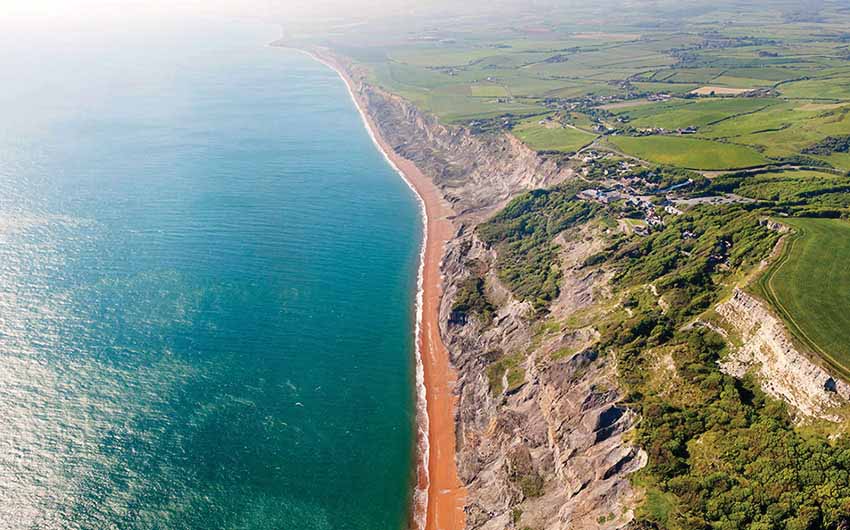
x,y
472,300
808,193
524,232
829,145
721,454
807,285
728,458
684,259
508,370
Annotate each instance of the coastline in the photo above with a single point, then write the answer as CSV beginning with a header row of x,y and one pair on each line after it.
x,y
439,497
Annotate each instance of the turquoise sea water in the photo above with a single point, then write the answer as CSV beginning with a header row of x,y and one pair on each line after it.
x,y
206,288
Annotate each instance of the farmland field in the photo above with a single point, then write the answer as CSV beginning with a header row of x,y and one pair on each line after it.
x,y
808,285
488,90
720,90
838,160
772,118
686,152
796,135
548,138
837,89
510,77
698,113
670,88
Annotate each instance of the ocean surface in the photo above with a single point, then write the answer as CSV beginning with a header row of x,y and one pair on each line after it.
x,y
207,276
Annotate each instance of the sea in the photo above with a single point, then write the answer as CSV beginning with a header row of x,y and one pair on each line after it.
x,y
207,287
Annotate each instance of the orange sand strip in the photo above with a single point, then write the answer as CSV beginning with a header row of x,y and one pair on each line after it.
x,y
446,495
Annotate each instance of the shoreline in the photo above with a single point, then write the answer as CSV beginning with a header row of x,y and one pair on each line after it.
x,y
439,496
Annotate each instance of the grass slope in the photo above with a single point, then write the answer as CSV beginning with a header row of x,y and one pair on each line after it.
x,y
542,138
810,286
691,153
698,113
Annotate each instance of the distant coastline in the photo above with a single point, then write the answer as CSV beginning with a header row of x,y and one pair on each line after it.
x,y
439,496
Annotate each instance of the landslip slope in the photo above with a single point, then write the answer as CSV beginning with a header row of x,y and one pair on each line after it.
x,y
551,454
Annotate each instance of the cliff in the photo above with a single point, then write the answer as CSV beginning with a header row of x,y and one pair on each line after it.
x,y
477,174
549,452
782,370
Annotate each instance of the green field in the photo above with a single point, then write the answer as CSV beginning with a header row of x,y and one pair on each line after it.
x,y
786,128
837,89
772,118
809,286
838,160
488,90
698,113
669,88
688,152
690,75
548,138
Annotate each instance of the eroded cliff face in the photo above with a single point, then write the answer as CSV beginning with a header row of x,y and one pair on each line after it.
x,y
782,371
551,451
477,174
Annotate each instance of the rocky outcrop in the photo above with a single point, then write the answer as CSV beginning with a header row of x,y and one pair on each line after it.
x,y
781,369
770,224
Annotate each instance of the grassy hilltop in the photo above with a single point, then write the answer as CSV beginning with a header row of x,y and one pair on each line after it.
x,y
808,286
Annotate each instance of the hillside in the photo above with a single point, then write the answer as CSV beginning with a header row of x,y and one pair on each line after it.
x,y
643,298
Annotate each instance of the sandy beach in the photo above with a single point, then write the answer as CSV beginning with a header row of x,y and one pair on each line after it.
x,y
437,475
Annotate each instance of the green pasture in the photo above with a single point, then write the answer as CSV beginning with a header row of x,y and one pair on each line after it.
x,y
794,136
454,109
688,75
440,56
668,88
770,118
834,88
784,129
810,286
548,138
840,161
674,114
689,152
490,90
740,82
